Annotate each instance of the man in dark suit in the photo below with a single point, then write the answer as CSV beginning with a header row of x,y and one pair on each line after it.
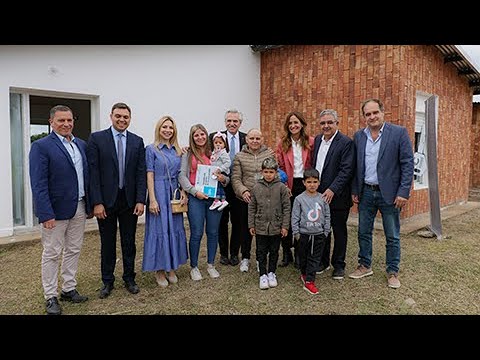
x,y
334,158
382,181
59,180
233,121
117,190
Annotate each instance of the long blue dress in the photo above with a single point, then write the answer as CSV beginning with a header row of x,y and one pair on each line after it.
x,y
165,243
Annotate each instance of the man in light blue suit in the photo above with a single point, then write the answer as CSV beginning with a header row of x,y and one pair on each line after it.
x,y
59,180
382,181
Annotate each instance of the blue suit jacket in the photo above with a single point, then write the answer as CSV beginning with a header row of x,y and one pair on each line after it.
x,y
102,158
54,180
394,164
337,170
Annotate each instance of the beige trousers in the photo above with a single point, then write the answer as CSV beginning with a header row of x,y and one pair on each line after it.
x,y
67,238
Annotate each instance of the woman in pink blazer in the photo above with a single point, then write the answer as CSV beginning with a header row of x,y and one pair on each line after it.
x,y
293,156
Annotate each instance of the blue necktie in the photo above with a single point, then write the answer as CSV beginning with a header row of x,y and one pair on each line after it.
x,y
232,148
121,162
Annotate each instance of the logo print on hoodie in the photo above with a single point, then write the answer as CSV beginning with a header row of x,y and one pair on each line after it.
x,y
314,214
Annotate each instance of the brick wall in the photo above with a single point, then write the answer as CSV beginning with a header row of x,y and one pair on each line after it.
x,y
475,148
310,78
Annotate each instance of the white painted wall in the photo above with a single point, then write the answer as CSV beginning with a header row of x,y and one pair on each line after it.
x,y
192,83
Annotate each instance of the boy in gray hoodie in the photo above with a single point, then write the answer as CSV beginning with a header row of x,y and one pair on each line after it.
x,y
310,226
268,220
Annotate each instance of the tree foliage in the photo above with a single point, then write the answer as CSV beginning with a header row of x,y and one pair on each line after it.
x,y
37,136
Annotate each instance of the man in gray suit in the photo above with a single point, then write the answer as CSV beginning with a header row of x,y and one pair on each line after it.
x,y
382,181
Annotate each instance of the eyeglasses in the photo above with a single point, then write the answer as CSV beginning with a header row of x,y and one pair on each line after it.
x,y
329,122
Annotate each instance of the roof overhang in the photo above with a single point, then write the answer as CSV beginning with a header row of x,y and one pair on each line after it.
x,y
261,48
453,54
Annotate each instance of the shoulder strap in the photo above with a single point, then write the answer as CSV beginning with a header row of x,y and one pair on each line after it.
x,y
168,172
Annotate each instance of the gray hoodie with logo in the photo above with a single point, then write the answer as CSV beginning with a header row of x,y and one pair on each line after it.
x,y
310,215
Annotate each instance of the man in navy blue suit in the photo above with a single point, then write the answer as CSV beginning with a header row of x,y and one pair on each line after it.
x,y
59,180
334,157
382,181
117,192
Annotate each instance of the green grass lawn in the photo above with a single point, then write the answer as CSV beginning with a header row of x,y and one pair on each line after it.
x,y
438,277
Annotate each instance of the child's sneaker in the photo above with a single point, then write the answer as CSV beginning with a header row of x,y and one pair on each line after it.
x,y
272,279
244,265
310,287
223,204
216,203
264,282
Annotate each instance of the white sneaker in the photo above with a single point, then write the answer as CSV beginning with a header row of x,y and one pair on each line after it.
x,y
223,206
272,279
264,282
244,265
216,203
212,271
195,274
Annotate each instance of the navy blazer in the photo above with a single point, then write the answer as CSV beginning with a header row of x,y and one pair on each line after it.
x,y
103,162
394,164
54,179
338,169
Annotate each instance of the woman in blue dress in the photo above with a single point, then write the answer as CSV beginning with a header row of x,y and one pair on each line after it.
x,y
165,244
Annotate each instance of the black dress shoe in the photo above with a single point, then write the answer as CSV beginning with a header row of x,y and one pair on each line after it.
x,y
224,260
105,291
132,287
53,307
234,260
73,296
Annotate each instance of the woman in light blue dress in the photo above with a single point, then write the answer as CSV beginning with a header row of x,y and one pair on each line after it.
x,y
165,243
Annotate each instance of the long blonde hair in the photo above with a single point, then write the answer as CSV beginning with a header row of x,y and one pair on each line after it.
x,y
194,149
173,141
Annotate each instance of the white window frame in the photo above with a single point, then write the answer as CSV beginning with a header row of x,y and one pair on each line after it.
x,y
420,155
30,219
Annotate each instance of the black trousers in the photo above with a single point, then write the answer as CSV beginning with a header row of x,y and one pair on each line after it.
x,y
230,213
245,237
127,222
267,247
310,248
297,189
338,220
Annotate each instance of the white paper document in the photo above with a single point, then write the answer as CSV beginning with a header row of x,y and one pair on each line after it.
x,y
204,181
